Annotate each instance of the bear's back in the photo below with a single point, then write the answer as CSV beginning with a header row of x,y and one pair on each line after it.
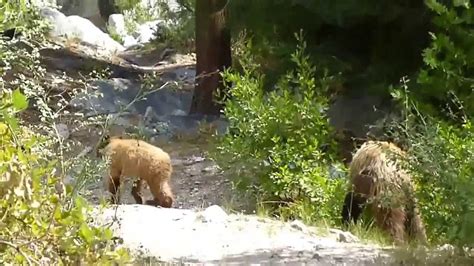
x,y
138,158
377,157
135,148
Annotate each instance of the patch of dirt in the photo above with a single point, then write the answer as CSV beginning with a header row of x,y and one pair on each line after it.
x,y
197,181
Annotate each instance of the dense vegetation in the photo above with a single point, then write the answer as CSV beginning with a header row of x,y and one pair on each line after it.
x,y
42,221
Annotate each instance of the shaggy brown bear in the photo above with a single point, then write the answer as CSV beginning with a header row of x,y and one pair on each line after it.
x,y
145,162
378,179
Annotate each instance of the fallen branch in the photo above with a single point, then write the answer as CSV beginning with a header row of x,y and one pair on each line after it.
x,y
17,248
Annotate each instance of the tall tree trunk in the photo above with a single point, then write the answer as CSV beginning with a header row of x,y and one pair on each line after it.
x,y
213,54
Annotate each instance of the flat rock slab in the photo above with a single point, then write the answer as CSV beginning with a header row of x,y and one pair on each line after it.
x,y
212,236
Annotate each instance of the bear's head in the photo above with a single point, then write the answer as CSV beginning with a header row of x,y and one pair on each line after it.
x,y
166,201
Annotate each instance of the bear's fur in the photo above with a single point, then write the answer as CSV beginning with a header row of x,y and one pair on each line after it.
x,y
378,179
147,163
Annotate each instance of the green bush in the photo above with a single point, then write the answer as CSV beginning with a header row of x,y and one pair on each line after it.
x,y
441,140
448,59
437,125
39,224
281,140
179,29
42,221
441,156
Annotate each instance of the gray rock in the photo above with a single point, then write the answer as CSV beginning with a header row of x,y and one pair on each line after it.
x,y
447,248
53,15
176,235
88,9
107,8
129,41
344,236
299,225
62,130
185,75
116,25
69,180
147,31
168,106
214,213
79,28
85,151
149,114
113,94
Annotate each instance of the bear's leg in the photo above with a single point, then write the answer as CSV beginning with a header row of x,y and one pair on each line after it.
x,y
363,186
414,224
165,198
352,208
416,227
137,191
162,194
114,185
392,221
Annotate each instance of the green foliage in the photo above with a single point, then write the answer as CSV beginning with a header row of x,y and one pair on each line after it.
x,y
441,156
136,13
179,29
449,58
282,138
42,221
37,223
441,140
116,37
127,4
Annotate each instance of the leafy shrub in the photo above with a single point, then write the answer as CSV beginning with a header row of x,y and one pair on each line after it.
x,y
178,31
448,59
38,224
281,139
41,220
441,140
137,12
441,156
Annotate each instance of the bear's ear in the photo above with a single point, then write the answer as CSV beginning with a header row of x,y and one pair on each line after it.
x,y
106,137
103,141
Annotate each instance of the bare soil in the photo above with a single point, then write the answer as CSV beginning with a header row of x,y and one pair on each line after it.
x,y
197,181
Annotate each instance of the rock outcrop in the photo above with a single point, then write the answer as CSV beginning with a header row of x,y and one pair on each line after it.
x,y
212,236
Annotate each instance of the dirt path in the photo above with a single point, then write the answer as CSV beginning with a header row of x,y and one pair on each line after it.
x,y
197,181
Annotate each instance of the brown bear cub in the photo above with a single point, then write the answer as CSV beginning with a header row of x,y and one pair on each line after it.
x,y
143,161
378,180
